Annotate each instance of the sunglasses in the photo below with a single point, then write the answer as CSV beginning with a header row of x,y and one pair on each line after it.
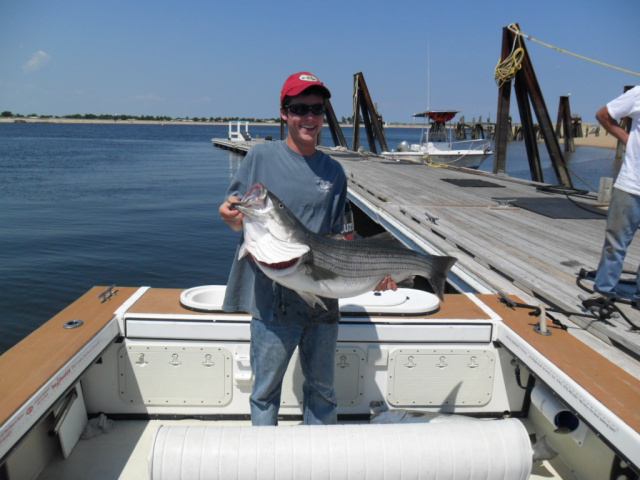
x,y
303,109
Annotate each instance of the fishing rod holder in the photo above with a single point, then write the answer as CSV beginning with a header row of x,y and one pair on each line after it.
x,y
541,328
536,311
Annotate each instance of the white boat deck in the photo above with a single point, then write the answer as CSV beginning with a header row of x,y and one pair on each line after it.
x,y
123,454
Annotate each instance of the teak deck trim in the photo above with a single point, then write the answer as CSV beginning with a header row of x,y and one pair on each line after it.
x,y
41,369
30,364
609,384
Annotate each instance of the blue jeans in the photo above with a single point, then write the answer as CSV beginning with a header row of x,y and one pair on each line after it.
x,y
272,345
622,222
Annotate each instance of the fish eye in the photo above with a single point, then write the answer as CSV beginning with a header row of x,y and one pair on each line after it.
x,y
280,206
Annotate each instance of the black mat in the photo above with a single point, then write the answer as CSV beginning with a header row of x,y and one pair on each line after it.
x,y
558,207
471,182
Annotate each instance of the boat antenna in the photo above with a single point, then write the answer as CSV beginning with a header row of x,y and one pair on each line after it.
x,y
428,74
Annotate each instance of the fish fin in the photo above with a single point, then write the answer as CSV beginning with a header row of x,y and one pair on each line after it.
x,y
311,299
333,236
407,283
383,237
441,267
387,237
319,273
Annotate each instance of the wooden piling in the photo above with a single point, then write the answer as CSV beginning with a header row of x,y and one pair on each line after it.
x,y
372,119
564,127
527,90
334,125
503,122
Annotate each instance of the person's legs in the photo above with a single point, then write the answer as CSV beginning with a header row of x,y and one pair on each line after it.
x,y
636,296
622,223
317,358
271,348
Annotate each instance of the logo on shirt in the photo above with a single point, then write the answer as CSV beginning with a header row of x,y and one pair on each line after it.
x,y
323,185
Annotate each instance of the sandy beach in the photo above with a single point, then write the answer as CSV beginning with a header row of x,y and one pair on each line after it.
x,y
602,141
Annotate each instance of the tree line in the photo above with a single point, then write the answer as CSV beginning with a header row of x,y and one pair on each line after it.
x,y
91,116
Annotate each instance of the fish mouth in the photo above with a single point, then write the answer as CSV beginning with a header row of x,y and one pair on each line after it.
x,y
255,198
280,265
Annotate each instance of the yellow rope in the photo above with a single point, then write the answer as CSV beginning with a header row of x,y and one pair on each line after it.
x,y
507,68
427,160
515,30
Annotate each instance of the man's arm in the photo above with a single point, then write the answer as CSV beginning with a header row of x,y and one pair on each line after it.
x,y
611,125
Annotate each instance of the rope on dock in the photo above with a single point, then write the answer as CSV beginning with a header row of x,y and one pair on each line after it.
x,y
507,68
517,31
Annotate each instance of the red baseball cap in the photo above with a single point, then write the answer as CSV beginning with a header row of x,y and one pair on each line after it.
x,y
299,82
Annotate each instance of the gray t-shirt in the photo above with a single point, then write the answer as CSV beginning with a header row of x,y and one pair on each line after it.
x,y
315,190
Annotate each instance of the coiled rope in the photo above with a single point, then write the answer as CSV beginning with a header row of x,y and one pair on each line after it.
x,y
506,69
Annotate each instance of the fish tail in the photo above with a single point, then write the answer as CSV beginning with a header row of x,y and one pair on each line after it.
x,y
440,270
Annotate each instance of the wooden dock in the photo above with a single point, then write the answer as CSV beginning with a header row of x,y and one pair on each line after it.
x,y
515,237
237,147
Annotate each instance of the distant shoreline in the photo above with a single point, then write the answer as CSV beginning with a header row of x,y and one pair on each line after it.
x,y
602,141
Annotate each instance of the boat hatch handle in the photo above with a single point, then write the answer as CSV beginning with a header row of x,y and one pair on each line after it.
x,y
107,294
64,411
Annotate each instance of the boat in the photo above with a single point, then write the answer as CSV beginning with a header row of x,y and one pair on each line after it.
x,y
438,146
141,382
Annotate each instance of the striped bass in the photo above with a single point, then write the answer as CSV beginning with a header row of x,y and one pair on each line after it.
x,y
317,266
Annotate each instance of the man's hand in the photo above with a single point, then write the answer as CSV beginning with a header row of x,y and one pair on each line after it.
x,y
231,216
387,283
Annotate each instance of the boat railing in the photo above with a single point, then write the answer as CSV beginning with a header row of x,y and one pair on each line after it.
x,y
478,144
483,144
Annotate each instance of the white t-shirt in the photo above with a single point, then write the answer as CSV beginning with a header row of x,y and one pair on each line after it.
x,y
628,105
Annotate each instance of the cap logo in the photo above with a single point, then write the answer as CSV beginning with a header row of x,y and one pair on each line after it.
x,y
308,78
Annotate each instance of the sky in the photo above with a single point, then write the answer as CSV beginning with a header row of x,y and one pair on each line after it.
x,y
230,58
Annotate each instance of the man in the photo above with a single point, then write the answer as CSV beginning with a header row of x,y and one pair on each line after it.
x,y
314,187
623,218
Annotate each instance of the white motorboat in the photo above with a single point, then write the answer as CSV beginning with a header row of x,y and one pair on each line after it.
x,y
157,382
437,144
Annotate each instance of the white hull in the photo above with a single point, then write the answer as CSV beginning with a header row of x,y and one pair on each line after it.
x,y
443,153
141,355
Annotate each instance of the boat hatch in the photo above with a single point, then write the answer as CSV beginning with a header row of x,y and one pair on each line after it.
x,y
404,301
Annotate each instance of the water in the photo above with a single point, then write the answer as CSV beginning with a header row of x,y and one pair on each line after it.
x,y
133,205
